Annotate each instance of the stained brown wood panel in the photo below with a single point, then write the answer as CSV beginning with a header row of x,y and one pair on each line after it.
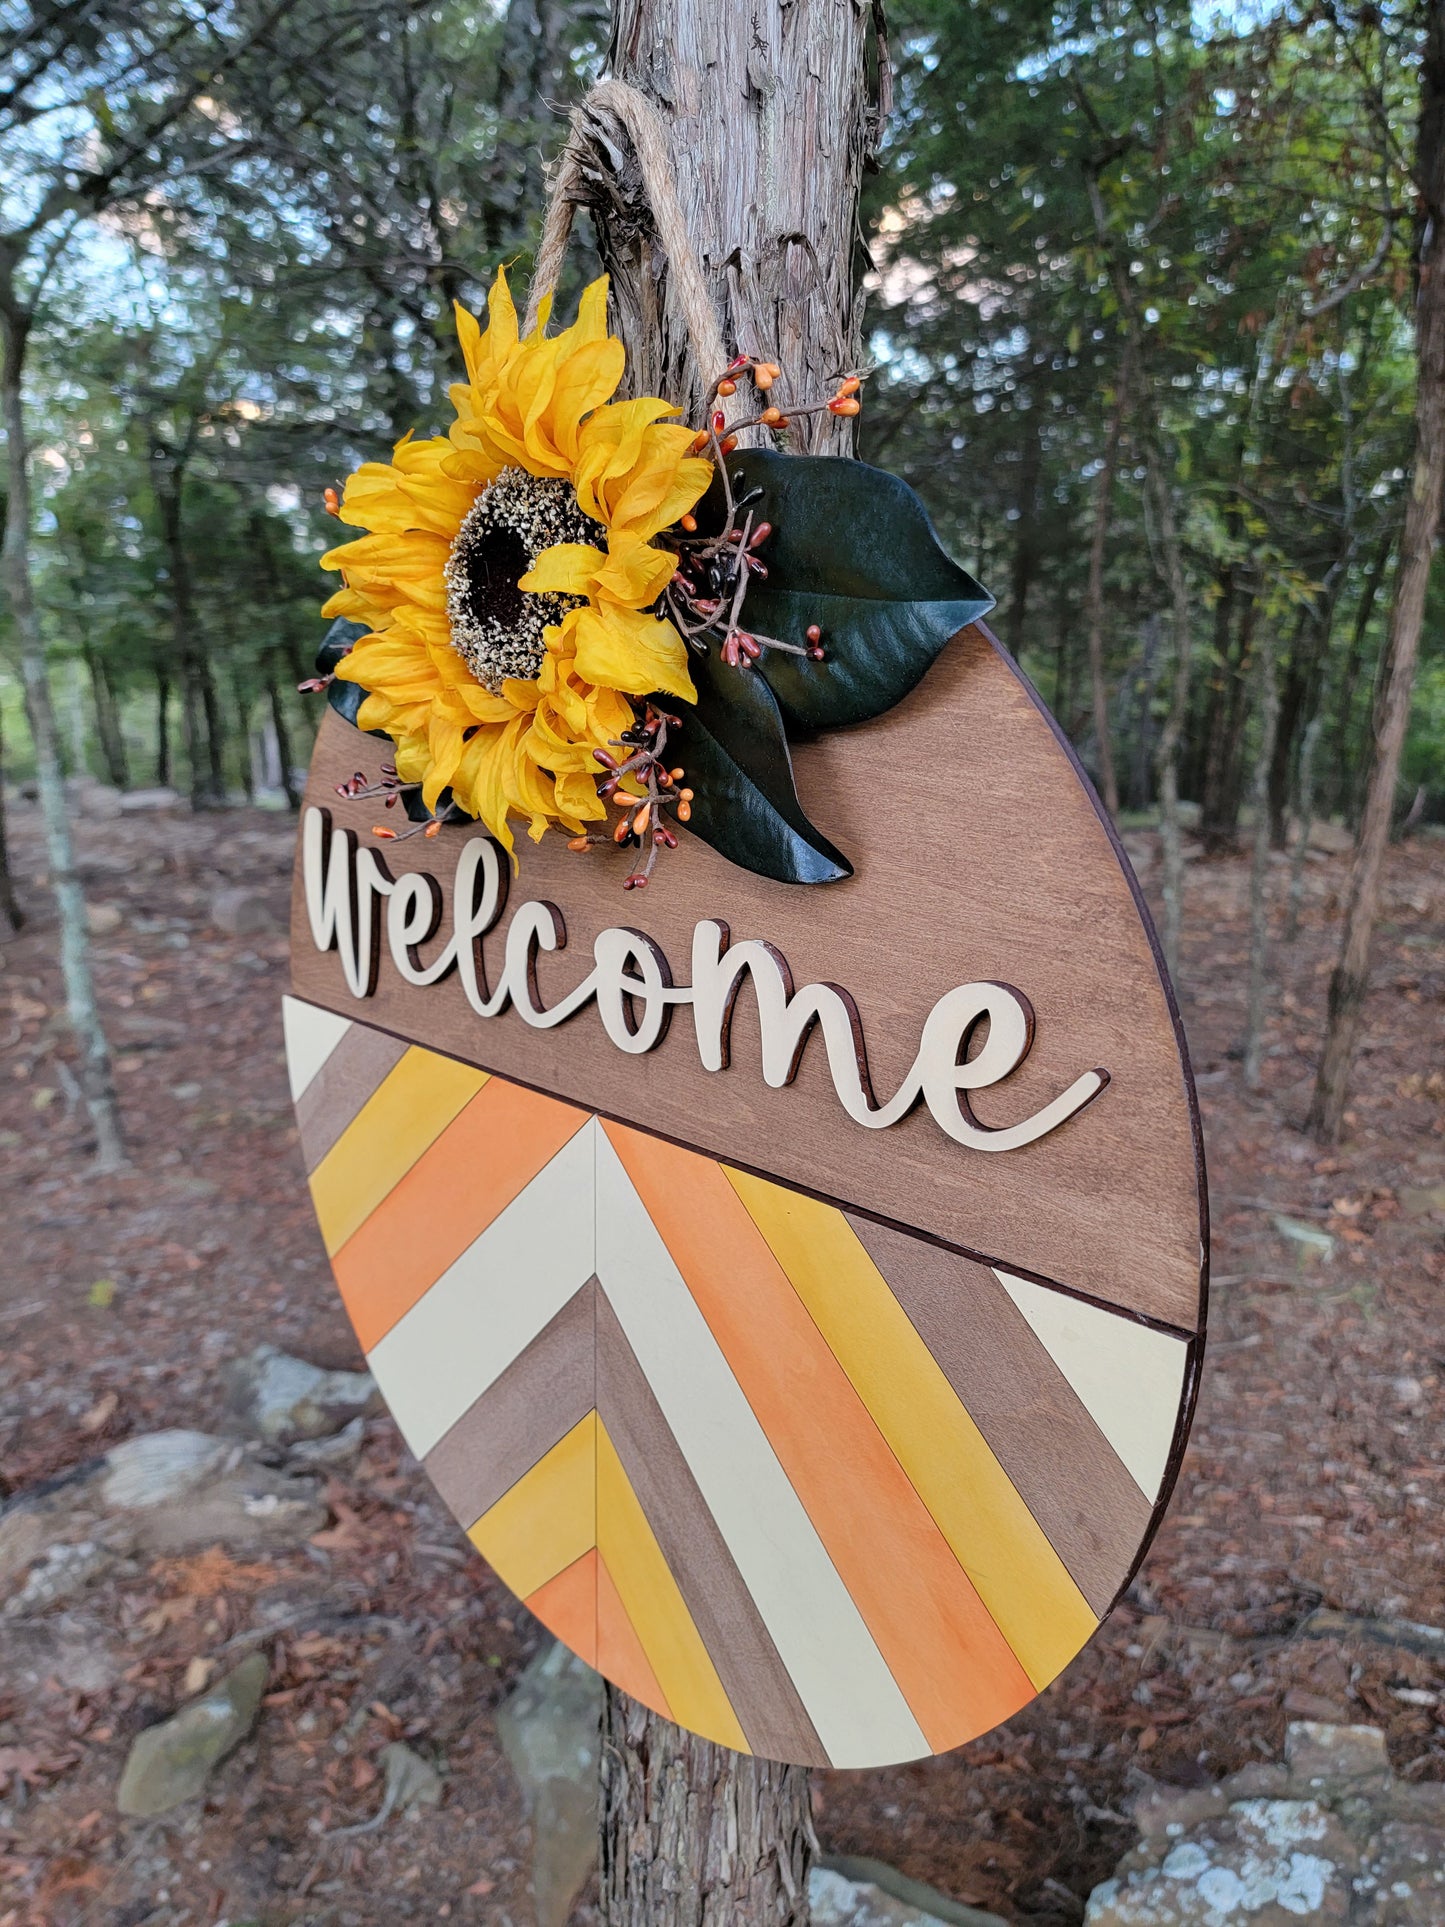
x,y
339,1089
979,855
1068,1474
543,1393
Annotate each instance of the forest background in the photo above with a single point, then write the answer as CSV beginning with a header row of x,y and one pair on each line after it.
x,y
1095,231
1142,292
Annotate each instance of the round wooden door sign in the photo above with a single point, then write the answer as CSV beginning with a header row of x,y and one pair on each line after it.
x,y
796,1293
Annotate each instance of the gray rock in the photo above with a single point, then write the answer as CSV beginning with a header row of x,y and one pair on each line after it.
x,y
282,1399
550,1731
1330,838
93,802
849,1891
343,1448
62,1651
239,912
171,1762
1423,1200
172,1491
135,802
1320,1757
1329,1836
103,918
410,1781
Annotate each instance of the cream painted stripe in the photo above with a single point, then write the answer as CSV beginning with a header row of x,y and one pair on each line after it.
x,y
855,1704
1129,1377
311,1035
489,1305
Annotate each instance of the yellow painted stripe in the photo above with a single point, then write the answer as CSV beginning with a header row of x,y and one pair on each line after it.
x,y
404,1116
549,1517
658,1612
996,1539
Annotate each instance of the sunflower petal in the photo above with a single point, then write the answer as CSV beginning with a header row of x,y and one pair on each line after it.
x,y
633,652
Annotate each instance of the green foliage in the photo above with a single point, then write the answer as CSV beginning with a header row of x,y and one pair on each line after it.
x,y
1194,223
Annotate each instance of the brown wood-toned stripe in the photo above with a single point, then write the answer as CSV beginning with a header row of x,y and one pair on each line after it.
x,y
350,1075
537,1400
1065,1470
753,1675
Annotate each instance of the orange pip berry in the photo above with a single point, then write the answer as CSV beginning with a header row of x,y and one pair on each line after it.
x,y
727,388
332,501
772,417
844,405
688,522
699,442
850,386
729,443
577,843
765,373
386,834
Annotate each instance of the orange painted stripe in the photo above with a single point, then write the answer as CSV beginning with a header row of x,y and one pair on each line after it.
x,y
619,1651
954,1666
567,1606
488,1154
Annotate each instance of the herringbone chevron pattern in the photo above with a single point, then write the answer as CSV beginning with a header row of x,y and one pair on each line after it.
x,y
799,1481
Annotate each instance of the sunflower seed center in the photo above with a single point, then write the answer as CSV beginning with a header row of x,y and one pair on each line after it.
x,y
496,627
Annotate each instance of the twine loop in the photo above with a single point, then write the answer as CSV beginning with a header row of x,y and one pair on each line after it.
x,y
648,133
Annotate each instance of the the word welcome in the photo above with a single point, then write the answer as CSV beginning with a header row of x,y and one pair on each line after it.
x,y
632,985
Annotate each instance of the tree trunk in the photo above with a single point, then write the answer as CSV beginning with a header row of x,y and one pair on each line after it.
x,y
1343,762
1412,581
1094,594
200,723
1306,815
1259,865
282,728
107,721
97,1077
9,905
1023,571
1166,756
696,1836
769,124
163,729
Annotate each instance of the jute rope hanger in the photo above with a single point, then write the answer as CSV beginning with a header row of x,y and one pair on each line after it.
x,y
648,133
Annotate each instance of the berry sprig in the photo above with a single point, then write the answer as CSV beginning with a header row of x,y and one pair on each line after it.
x,y
705,597
653,788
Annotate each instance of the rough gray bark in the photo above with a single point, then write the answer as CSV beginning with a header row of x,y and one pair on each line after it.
x,y
696,1836
1351,978
770,122
97,1077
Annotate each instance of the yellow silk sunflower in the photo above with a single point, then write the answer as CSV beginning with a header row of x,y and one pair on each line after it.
x,y
509,572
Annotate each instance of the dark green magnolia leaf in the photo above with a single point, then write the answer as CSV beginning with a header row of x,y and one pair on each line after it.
x,y
337,643
853,550
735,751
344,697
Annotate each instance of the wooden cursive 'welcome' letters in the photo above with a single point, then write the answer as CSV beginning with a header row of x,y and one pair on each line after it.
x,y
352,900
